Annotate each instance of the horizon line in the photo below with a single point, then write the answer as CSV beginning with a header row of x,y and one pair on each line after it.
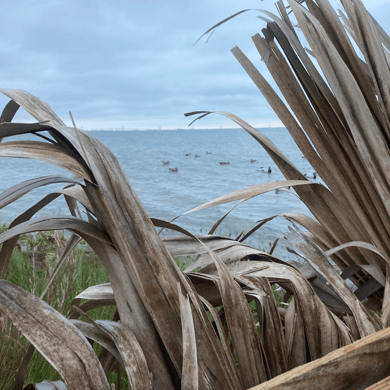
x,y
178,128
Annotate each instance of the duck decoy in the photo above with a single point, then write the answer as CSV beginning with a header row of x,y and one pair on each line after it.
x,y
197,155
208,152
188,154
165,162
224,163
252,161
173,170
314,176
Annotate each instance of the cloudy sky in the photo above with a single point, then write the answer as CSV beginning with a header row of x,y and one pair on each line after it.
x,y
133,64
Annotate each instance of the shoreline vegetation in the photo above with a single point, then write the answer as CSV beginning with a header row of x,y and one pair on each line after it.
x,y
32,264
219,323
82,270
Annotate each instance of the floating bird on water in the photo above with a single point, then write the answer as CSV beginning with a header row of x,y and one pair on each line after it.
x,y
208,152
197,155
314,175
269,170
252,161
224,163
188,154
165,162
173,170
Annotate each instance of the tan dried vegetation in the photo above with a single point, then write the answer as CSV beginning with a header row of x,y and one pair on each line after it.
x,y
220,328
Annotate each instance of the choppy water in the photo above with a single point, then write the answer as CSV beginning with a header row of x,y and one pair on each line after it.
x,y
198,180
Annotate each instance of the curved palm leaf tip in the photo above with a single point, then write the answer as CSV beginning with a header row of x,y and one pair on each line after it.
x,y
149,288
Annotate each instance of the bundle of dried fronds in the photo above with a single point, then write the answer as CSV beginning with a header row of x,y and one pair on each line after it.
x,y
341,123
165,336
171,330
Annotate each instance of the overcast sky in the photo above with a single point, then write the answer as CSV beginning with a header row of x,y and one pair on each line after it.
x,y
133,64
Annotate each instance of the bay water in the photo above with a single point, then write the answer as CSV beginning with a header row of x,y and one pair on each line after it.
x,y
166,194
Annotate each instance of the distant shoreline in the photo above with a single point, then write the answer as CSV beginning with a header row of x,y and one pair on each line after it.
x,y
228,128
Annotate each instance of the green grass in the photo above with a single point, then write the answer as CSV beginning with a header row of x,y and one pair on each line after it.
x,y
69,282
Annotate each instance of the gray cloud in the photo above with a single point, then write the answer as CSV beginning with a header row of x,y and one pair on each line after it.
x,y
133,64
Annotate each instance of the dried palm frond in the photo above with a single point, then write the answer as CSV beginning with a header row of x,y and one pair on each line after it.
x,y
340,122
